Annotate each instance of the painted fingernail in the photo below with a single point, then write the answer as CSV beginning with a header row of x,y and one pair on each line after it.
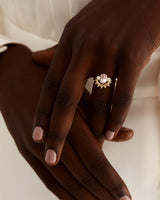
x,y
125,198
109,135
50,157
37,134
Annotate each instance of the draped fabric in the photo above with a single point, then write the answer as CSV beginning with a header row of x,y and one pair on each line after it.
x,y
39,24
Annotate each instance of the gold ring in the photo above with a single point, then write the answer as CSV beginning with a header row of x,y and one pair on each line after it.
x,y
103,81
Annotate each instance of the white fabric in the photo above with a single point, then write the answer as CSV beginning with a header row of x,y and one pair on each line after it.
x,y
39,24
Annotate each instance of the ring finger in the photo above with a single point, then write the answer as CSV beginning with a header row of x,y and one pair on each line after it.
x,y
102,95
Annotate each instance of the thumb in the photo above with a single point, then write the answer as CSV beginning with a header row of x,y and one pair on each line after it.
x,y
44,57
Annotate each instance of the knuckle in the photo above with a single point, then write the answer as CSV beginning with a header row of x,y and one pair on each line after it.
x,y
87,40
71,186
98,166
87,181
56,137
42,118
64,100
51,84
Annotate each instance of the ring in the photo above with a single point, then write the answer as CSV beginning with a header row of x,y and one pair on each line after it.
x,y
103,81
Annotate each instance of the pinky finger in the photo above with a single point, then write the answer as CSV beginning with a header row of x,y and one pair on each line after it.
x,y
122,100
124,134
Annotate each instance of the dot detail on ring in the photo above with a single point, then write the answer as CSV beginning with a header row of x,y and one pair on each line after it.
x,y
103,81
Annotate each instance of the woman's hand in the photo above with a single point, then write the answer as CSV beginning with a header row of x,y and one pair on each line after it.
x,y
108,36
83,171
44,58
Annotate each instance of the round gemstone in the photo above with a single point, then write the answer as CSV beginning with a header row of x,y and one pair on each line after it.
x,y
98,77
104,76
103,80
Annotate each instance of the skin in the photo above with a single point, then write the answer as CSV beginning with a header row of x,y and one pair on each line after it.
x,y
108,36
83,171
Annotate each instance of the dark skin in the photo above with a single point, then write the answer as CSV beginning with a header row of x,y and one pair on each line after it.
x,y
107,36
44,58
83,171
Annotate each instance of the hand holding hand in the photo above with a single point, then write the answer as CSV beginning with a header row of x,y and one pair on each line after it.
x,y
83,171
109,36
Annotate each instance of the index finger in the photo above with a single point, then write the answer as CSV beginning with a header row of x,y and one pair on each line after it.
x,y
68,97
49,91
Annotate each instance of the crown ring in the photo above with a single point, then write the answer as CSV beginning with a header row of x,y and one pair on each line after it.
x,y
103,81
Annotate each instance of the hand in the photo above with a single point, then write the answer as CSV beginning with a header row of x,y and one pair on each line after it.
x,y
109,36
83,172
44,58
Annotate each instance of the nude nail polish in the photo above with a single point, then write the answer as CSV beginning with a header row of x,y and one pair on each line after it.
x,y
109,135
37,134
50,157
125,198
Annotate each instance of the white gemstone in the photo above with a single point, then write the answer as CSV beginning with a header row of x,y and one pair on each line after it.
x,y
109,79
103,80
98,77
103,76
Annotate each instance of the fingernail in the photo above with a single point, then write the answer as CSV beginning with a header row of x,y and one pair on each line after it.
x,y
109,135
37,134
125,198
51,156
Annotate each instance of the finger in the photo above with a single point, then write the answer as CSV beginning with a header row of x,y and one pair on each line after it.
x,y
47,177
85,104
102,97
44,57
49,90
65,106
79,171
65,178
70,184
124,134
122,100
95,161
